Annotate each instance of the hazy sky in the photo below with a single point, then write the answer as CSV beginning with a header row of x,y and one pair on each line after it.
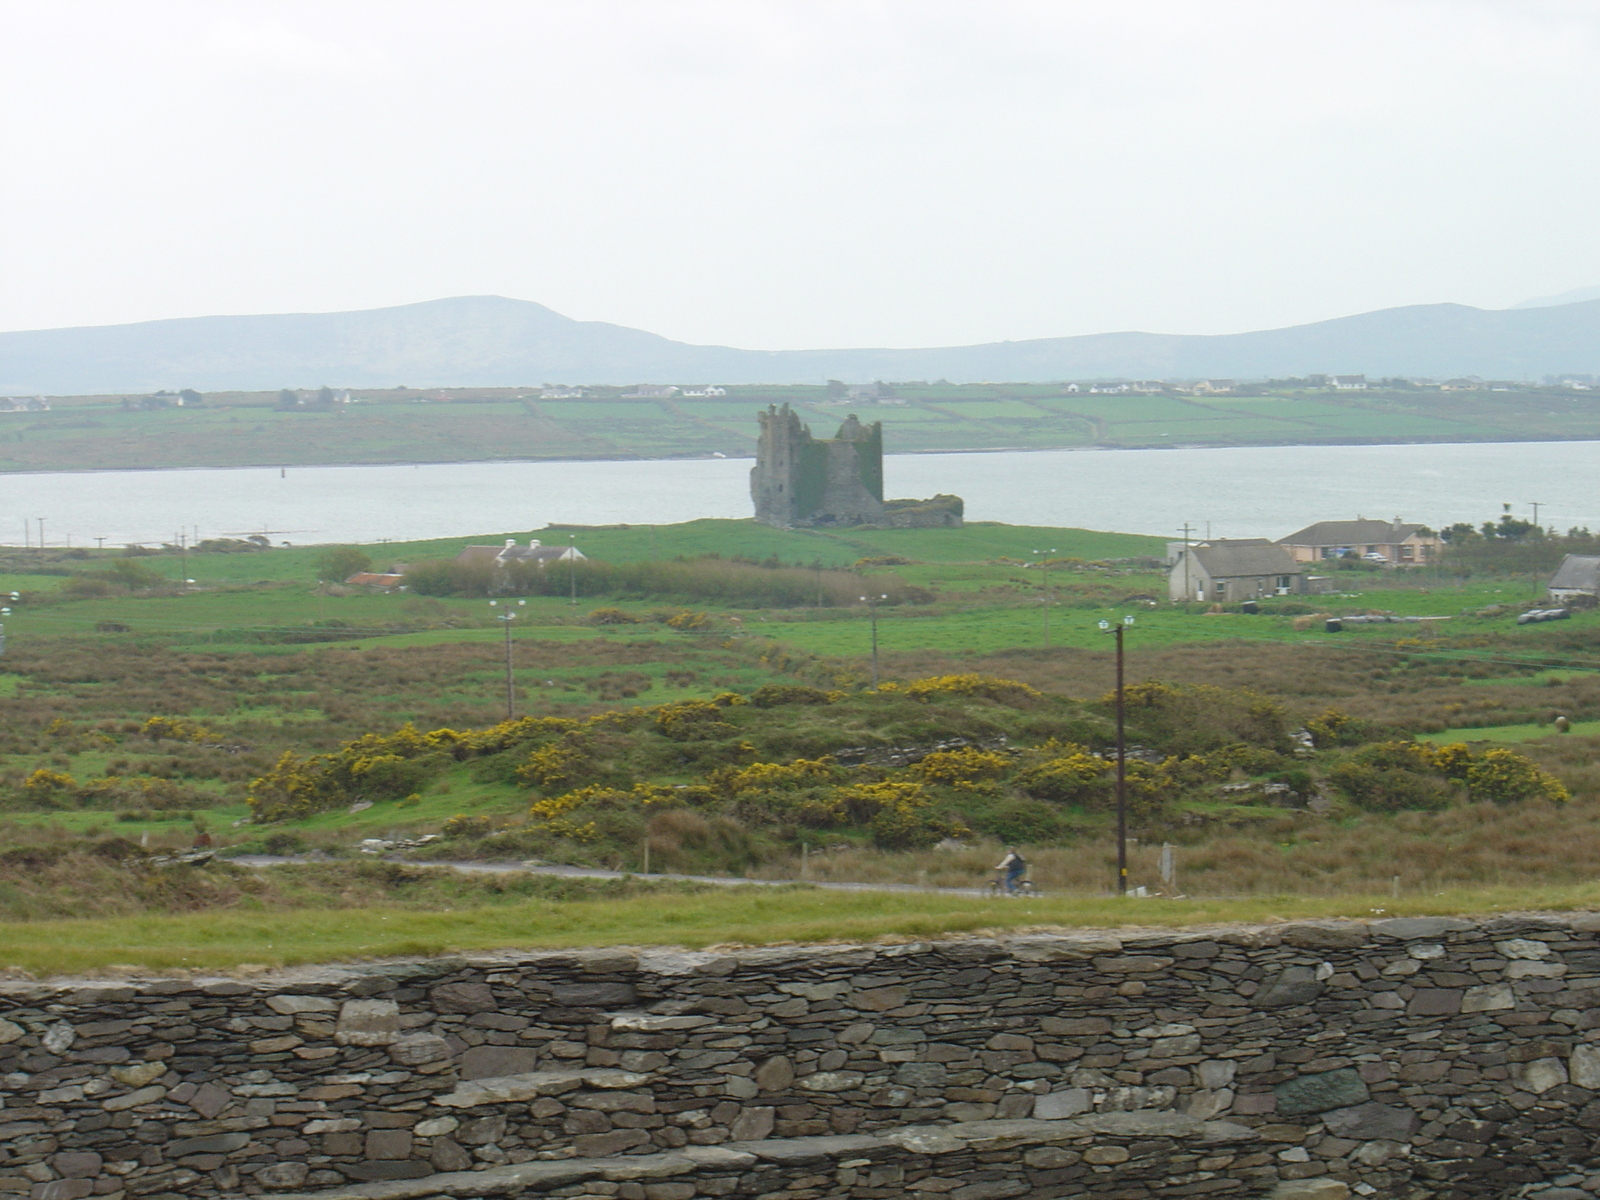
x,y
783,175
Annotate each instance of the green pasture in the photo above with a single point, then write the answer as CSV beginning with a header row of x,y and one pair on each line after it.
x,y
985,582
978,542
246,939
1510,733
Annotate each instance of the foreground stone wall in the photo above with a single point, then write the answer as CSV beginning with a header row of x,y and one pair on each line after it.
x,y
1417,1057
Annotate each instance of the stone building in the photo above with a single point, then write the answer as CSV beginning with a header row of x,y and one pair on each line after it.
x,y
801,480
1230,570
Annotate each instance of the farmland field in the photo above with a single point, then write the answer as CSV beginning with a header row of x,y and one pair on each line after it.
x,y
449,425
134,718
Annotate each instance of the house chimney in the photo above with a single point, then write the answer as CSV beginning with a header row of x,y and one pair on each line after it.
x,y
533,543
510,542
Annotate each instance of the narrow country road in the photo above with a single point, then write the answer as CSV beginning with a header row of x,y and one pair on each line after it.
x,y
268,860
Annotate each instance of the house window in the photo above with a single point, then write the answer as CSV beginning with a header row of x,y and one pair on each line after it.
x,y
1284,583
1408,554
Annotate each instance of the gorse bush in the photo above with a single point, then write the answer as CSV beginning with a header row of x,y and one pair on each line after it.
x,y
1393,776
960,753
177,730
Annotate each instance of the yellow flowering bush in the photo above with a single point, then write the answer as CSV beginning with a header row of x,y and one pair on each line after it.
x,y
175,729
1002,691
549,767
45,784
1072,776
961,767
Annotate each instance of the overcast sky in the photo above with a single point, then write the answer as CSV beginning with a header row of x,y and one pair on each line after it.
x,y
783,175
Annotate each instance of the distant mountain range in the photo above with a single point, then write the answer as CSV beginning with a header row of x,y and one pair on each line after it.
x,y
491,340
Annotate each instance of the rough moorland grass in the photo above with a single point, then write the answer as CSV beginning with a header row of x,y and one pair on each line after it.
x,y
742,915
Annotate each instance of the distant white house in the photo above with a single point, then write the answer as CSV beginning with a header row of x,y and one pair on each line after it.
x,y
1110,389
704,391
561,393
24,404
1348,383
651,391
1213,386
504,556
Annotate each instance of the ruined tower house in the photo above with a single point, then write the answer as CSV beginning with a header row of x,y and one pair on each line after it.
x,y
800,480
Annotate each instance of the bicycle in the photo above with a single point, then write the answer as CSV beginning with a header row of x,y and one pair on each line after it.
x,y
1024,887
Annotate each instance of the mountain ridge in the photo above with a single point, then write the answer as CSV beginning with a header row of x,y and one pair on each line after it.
x,y
498,341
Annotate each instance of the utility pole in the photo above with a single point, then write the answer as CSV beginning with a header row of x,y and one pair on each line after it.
x,y
41,533
1535,504
872,603
505,620
572,566
1122,761
1188,531
1045,564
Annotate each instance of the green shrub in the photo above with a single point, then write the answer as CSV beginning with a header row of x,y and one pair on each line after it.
x,y
773,695
1021,820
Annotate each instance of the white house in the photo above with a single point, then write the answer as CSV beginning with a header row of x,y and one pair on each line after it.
x,y
1227,570
1578,575
502,556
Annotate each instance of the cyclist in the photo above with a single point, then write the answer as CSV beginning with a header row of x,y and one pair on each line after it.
x,y
1014,867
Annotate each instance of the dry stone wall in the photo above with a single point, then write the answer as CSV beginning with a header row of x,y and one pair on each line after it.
x,y
1431,1057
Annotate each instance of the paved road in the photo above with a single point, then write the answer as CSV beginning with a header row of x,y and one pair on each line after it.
x,y
268,860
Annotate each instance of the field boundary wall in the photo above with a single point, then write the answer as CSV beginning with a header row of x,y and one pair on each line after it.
x,y
1408,1057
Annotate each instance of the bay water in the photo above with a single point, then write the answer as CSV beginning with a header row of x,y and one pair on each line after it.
x,y
1259,491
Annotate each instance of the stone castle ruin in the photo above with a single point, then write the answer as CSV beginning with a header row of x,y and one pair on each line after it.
x,y
800,480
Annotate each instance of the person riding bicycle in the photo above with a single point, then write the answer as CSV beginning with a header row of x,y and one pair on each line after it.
x,y
1015,867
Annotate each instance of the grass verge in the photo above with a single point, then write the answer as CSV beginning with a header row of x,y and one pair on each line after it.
x,y
739,915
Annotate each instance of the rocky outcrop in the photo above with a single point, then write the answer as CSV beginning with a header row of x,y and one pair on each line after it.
x,y
1417,1057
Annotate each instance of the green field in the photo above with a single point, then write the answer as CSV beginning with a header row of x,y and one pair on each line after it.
x,y
480,424
731,917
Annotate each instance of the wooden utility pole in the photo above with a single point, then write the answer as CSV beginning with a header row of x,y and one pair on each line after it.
x,y
1122,760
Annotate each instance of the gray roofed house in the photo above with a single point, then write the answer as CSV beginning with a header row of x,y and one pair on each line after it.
x,y
1397,543
1235,569
1578,575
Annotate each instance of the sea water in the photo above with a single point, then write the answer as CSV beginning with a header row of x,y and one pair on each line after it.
x,y
1263,491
